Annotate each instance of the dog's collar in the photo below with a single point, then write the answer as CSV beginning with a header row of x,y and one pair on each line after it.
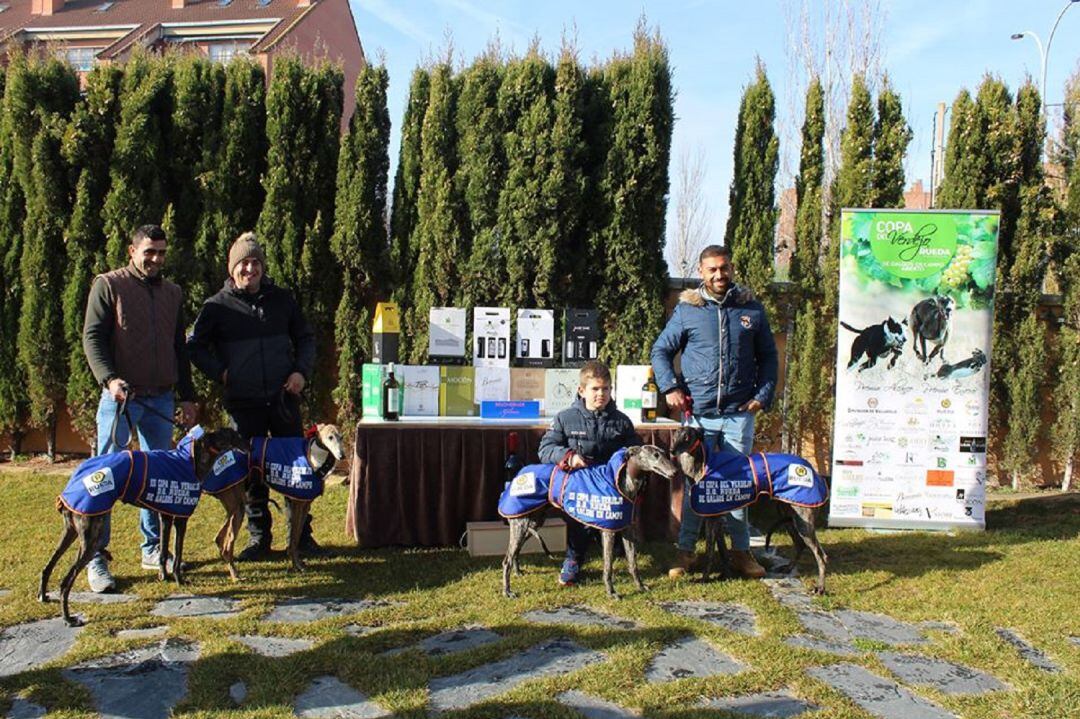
x,y
328,464
704,457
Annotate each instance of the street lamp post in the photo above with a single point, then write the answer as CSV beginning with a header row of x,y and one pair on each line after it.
x,y
1043,56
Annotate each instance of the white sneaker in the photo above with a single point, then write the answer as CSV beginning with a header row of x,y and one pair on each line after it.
x,y
150,561
99,577
757,539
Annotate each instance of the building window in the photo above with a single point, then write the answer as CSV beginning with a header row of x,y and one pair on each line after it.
x,y
82,59
225,51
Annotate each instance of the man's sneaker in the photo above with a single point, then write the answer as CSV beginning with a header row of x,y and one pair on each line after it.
x,y
568,574
757,538
99,577
312,549
684,562
151,560
254,552
743,563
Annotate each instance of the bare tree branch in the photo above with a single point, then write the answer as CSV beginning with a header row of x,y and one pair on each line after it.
x,y
692,228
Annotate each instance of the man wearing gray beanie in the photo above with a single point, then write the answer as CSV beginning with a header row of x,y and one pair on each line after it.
x,y
252,338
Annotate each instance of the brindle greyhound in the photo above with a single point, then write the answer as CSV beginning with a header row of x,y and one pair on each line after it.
x,y
324,447
630,480
89,528
688,448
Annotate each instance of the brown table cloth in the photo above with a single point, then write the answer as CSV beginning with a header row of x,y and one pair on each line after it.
x,y
416,484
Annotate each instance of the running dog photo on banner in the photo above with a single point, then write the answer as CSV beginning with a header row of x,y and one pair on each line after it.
x,y
913,368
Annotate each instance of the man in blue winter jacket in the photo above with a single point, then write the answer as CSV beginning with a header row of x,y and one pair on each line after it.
x,y
729,368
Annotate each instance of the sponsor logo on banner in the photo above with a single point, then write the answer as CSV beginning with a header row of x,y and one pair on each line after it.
x,y
939,477
99,482
846,509
847,490
973,444
883,510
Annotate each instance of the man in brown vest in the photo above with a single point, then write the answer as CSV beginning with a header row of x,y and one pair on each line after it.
x,y
133,338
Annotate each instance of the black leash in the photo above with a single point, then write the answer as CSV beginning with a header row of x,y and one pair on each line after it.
x,y
129,396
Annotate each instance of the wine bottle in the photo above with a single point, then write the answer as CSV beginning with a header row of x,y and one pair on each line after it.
x,y
513,463
649,395
391,396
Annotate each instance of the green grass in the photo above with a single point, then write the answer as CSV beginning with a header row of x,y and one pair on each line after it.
x,y
1024,573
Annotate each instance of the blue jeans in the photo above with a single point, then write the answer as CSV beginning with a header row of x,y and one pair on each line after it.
x,y
725,433
154,433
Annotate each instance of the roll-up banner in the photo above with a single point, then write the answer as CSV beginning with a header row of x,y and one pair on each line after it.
x,y
916,313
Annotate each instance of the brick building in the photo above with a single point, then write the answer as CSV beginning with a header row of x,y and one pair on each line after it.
x,y
88,32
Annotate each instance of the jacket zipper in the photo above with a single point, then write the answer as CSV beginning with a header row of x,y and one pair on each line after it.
x,y
153,323
720,363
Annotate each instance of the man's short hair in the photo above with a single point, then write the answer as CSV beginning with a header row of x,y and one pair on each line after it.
x,y
714,251
594,369
154,233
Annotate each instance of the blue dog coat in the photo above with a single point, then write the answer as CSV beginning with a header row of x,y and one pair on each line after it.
x,y
735,480
160,480
284,465
588,495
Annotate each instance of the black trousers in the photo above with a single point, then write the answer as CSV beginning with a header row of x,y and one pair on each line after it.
x,y
279,417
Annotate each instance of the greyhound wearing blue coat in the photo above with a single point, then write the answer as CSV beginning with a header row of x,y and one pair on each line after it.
x,y
722,482
168,482
601,496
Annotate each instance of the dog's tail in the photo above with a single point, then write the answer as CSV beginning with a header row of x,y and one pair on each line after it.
x,y
848,327
543,544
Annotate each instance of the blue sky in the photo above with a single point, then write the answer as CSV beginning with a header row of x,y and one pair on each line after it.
x,y
930,49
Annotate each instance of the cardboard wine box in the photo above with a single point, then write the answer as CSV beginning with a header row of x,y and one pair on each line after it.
x,y
560,390
527,383
536,338
492,384
421,388
456,392
371,380
384,333
446,335
581,336
629,380
491,336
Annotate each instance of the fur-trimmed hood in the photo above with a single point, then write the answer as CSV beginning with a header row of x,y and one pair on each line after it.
x,y
697,297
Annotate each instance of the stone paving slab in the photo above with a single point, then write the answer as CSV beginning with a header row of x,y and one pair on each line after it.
x,y
144,683
147,633
1075,640
196,607
944,676
843,625
1028,651
808,641
308,609
238,692
733,617
275,647
879,696
690,657
577,615
359,630
27,646
594,707
560,656
932,625
789,592
772,705
455,640
95,598
23,709
330,698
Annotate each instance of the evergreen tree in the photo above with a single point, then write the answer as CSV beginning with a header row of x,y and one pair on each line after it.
x,y
751,226
12,212
137,186
569,182
964,160
635,183
193,148
480,177
598,134
439,235
88,144
526,218
234,195
359,242
403,253
805,389
42,351
996,117
805,269
891,138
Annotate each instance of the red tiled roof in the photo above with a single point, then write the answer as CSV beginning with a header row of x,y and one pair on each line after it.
x,y
85,13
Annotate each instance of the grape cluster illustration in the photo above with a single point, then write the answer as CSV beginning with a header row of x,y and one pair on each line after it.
x,y
957,274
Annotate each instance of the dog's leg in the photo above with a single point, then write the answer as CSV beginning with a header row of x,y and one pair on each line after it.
x,y
803,520
62,546
711,528
166,524
519,530
233,501
89,531
607,541
178,558
630,544
297,513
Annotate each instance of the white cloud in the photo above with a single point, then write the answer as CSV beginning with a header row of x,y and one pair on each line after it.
x,y
389,14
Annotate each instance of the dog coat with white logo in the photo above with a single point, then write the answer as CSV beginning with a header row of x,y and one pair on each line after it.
x,y
283,464
161,480
735,480
588,495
